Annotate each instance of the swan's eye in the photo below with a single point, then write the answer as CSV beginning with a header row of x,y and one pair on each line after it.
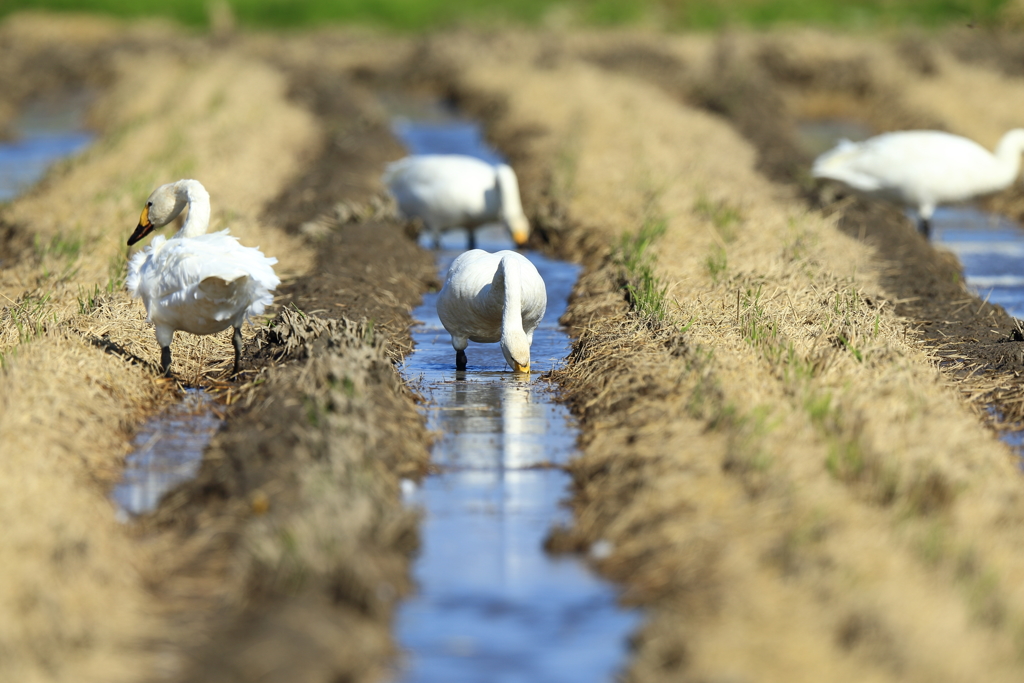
x,y
149,203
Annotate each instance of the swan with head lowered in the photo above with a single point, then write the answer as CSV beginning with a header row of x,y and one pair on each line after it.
x,y
196,282
922,169
450,191
489,298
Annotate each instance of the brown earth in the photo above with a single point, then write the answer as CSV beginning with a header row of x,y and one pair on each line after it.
x,y
792,462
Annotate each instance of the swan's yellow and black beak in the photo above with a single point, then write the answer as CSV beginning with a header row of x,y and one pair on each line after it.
x,y
520,229
520,237
521,369
145,227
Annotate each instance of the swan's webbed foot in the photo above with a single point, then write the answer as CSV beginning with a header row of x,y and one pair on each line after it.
x,y
460,360
165,361
236,341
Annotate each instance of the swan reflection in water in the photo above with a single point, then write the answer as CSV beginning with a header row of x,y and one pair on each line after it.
x,y
492,605
490,599
498,425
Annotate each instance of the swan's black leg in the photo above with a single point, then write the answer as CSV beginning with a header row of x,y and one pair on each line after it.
x,y
924,225
165,360
236,341
460,360
472,237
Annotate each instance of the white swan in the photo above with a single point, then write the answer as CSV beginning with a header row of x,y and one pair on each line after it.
x,y
921,169
195,282
451,190
490,298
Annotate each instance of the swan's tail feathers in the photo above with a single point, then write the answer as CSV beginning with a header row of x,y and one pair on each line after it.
x,y
217,288
393,170
134,279
260,298
835,159
241,293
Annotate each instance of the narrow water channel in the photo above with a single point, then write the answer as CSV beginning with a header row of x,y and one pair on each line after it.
x,y
491,604
990,248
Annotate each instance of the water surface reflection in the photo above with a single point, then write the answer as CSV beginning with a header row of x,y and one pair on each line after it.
x,y
168,450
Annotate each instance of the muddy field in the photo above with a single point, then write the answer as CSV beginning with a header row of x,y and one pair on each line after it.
x,y
793,462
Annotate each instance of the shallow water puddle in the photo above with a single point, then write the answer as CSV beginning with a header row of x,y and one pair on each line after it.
x,y
47,130
491,604
168,450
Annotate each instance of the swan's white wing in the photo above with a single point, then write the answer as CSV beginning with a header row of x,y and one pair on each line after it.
x,y
468,309
202,284
444,190
245,270
464,305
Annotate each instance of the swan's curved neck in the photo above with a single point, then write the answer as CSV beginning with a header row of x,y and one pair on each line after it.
x,y
1009,150
508,282
510,203
198,220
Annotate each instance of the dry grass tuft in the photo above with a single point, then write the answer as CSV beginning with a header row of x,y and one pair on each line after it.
x,y
306,478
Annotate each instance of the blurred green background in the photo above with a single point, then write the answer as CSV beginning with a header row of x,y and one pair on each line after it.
x,y
411,15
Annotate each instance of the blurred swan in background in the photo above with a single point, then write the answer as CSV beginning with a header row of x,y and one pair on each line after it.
x,y
922,169
489,298
196,282
452,190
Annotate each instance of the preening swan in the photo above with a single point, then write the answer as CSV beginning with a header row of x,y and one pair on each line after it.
x,y
195,282
490,298
451,190
921,169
